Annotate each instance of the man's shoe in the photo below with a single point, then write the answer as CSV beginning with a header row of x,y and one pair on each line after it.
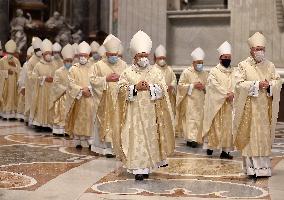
x,y
209,152
139,177
188,143
110,156
194,144
225,155
146,176
79,147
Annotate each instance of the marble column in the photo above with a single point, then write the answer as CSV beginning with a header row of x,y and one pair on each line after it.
x,y
4,21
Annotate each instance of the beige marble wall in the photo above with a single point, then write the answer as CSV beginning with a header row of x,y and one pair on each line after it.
x,y
147,15
181,34
249,16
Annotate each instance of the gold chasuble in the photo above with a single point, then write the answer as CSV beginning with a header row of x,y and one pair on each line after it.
x,y
256,110
58,99
40,115
29,84
190,104
79,109
218,116
105,95
146,127
10,68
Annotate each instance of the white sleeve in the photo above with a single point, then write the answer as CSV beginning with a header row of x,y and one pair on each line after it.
x,y
155,92
42,80
91,91
132,92
80,94
190,89
254,89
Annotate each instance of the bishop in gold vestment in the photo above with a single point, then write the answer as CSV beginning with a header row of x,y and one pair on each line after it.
x,y
256,110
58,92
80,101
168,73
147,132
190,100
43,73
218,118
10,68
104,83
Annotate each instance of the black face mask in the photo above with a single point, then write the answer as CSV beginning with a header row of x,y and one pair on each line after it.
x,y
226,62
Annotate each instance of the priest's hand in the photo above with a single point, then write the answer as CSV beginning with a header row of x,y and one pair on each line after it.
x,y
49,79
230,96
10,72
113,77
142,86
199,86
23,91
86,92
263,84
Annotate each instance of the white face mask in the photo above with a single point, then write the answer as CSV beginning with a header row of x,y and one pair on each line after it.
x,y
143,62
199,67
83,60
259,56
161,62
48,58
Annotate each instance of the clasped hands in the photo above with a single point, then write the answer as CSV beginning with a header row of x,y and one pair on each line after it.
x,y
113,77
142,86
199,86
263,84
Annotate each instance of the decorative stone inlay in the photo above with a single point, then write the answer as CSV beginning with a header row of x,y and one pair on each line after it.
x,y
202,167
189,187
10,180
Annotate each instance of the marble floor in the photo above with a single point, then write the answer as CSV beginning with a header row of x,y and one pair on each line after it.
x,y
36,165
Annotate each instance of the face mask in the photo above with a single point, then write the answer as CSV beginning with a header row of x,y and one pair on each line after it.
x,y
112,59
57,56
143,62
67,65
259,56
226,62
38,53
199,67
83,60
96,56
161,62
47,58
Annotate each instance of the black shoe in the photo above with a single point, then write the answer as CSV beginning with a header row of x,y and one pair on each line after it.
x,y
225,155
252,177
194,144
209,152
165,165
110,156
79,146
188,143
139,177
90,147
21,120
146,176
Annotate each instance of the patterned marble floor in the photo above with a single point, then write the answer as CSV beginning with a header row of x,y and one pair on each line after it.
x,y
36,165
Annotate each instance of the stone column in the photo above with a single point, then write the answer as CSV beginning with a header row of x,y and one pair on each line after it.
x,y
4,21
